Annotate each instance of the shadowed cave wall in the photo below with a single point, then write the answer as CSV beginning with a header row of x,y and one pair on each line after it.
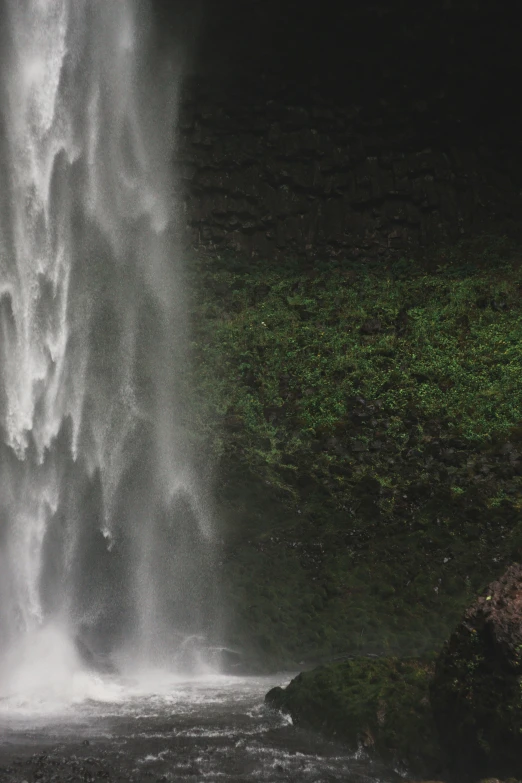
x,y
359,131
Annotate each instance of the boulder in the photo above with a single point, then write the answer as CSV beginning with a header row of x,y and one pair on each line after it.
x,y
476,693
378,704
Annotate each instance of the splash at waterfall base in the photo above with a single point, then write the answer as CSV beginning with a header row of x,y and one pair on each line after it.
x,y
189,731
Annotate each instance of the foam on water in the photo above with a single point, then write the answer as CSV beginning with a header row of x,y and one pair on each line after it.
x,y
76,693
44,675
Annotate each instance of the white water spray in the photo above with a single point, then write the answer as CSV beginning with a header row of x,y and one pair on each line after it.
x,y
104,542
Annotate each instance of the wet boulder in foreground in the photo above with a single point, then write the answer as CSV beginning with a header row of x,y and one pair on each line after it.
x,y
476,693
379,704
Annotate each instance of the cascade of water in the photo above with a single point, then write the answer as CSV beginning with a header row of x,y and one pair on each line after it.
x,y
103,534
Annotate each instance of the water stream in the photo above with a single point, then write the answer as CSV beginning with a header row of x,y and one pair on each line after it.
x,y
105,538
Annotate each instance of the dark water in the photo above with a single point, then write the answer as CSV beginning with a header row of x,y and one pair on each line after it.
x,y
210,729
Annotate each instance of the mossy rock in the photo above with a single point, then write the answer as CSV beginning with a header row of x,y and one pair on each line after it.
x,y
379,704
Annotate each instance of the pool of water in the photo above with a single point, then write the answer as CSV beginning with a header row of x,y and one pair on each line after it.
x,y
160,728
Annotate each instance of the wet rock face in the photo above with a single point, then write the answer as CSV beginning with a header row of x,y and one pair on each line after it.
x,y
476,693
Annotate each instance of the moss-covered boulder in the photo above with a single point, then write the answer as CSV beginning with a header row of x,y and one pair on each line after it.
x,y
476,693
379,704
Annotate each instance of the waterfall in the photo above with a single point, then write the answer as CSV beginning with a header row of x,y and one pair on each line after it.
x,y
105,541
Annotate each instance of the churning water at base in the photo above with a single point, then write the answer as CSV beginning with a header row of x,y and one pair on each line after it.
x,y
105,542
203,729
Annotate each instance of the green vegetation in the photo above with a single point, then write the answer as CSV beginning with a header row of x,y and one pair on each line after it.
x,y
366,420
289,353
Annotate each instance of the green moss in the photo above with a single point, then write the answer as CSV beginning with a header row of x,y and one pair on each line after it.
x,y
366,424
286,354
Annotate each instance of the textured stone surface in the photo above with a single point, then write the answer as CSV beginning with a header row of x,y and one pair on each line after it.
x,y
476,694
355,134
298,181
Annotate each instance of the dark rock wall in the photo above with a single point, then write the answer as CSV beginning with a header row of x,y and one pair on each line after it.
x,y
329,180
355,133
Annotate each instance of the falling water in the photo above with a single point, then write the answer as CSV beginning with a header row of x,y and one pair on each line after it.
x,y
105,544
